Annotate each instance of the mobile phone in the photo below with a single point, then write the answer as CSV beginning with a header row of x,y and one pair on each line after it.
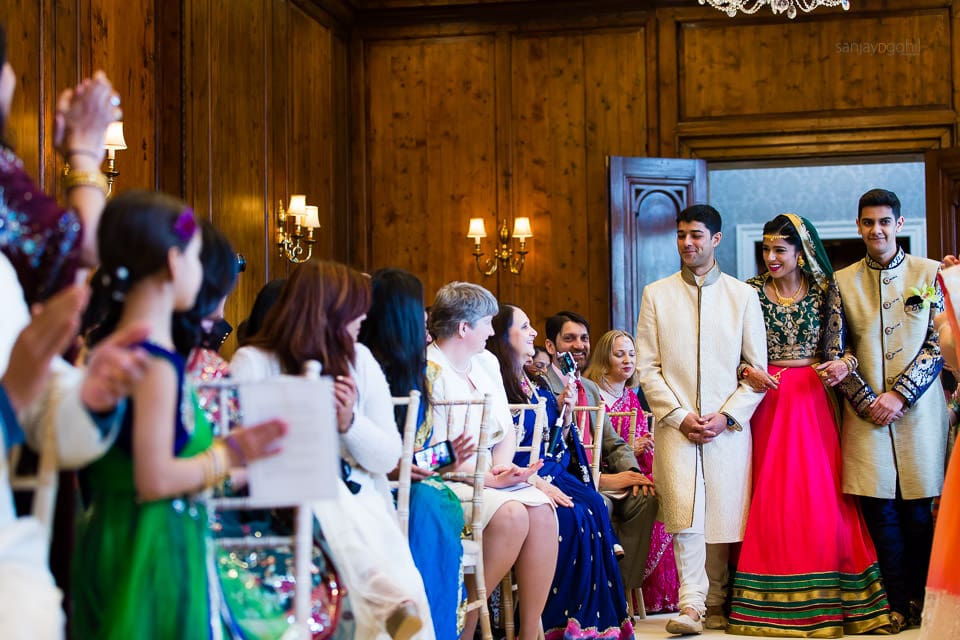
x,y
435,456
567,364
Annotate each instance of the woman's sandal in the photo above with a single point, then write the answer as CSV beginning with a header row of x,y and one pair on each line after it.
x,y
897,624
404,622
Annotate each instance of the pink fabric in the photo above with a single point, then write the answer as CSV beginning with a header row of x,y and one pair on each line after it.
x,y
660,584
800,520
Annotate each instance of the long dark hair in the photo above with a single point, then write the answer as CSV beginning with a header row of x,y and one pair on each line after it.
x,y
395,332
220,269
137,230
499,345
309,320
266,298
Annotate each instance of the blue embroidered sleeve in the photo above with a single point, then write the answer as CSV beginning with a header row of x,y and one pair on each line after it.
x,y
925,368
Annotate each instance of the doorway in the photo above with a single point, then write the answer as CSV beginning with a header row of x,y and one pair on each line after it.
x,y
825,192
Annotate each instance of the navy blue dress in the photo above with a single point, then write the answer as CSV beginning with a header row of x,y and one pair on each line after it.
x,y
586,598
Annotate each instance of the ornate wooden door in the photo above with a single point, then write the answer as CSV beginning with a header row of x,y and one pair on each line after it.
x,y
646,194
943,202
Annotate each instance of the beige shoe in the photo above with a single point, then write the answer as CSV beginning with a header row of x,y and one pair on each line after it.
x,y
685,624
404,622
715,619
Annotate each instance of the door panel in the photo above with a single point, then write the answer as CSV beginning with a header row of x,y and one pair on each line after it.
x,y
943,202
646,194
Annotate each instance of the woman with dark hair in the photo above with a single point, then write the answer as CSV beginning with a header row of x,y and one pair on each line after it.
x,y
586,599
140,565
45,242
807,567
395,332
317,316
266,298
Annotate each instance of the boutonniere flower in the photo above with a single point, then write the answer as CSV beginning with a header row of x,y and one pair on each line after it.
x,y
923,295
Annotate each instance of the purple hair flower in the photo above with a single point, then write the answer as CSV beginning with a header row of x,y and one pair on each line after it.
x,y
185,225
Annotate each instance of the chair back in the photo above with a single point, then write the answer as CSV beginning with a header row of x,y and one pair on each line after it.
x,y
43,483
632,432
412,403
519,411
302,538
592,415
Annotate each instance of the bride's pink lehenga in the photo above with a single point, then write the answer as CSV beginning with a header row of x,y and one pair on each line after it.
x,y
660,582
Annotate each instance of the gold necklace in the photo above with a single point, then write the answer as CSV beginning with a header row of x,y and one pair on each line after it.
x,y
787,301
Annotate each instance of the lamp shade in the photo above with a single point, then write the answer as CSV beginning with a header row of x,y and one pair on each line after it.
x,y
477,230
114,137
521,228
312,218
298,205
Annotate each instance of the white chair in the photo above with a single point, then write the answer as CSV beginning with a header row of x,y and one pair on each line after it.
x,y
43,484
473,532
582,417
635,594
540,426
412,403
301,540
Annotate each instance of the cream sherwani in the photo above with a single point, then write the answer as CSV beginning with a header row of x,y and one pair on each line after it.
x,y
690,340
890,331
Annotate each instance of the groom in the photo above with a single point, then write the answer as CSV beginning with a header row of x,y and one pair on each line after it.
x,y
695,328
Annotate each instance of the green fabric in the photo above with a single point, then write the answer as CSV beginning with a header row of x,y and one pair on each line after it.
x,y
139,571
793,332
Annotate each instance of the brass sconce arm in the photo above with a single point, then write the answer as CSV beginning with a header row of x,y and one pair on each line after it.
x,y
503,253
296,230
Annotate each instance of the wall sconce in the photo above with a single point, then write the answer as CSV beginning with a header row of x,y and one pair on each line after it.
x,y
295,229
505,255
113,142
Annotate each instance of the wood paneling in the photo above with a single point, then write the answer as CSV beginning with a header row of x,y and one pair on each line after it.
x,y
122,42
832,63
431,152
402,119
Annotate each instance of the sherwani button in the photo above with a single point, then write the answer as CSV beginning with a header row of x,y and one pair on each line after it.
x,y
886,281
890,380
886,305
889,356
888,330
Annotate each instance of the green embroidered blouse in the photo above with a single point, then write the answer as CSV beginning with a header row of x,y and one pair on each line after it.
x,y
794,331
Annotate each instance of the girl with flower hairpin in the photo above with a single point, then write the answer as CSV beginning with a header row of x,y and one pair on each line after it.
x,y
140,564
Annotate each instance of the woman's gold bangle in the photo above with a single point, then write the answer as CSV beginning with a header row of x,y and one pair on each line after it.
x,y
74,179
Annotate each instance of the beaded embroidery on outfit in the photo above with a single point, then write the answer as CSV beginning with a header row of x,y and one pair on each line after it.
x,y
793,330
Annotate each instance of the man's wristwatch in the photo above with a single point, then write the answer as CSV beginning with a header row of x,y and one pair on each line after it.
x,y
732,424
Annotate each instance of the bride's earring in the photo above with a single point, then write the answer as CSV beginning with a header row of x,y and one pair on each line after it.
x,y
801,262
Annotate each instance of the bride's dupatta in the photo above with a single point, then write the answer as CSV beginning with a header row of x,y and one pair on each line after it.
x,y
940,618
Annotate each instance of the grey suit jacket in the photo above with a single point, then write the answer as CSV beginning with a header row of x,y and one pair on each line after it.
x,y
617,455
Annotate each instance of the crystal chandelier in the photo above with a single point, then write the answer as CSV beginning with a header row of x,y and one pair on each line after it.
x,y
777,6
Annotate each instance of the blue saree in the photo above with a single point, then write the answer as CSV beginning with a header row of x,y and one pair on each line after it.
x,y
436,520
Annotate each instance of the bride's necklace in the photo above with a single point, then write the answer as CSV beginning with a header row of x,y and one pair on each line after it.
x,y
787,301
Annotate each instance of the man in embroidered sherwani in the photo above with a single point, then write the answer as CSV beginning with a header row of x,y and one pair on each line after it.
x,y
694,330
894,427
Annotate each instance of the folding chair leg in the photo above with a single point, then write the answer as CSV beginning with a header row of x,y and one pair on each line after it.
x,y
640,611
507,605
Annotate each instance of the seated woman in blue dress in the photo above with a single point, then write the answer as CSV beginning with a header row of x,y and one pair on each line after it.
x,y
586,599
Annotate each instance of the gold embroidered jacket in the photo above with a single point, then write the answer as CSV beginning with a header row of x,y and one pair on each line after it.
x,y
872,311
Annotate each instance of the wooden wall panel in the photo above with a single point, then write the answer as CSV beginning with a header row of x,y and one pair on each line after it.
x,y
835,62
122,42
431,149
549,156
311,153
